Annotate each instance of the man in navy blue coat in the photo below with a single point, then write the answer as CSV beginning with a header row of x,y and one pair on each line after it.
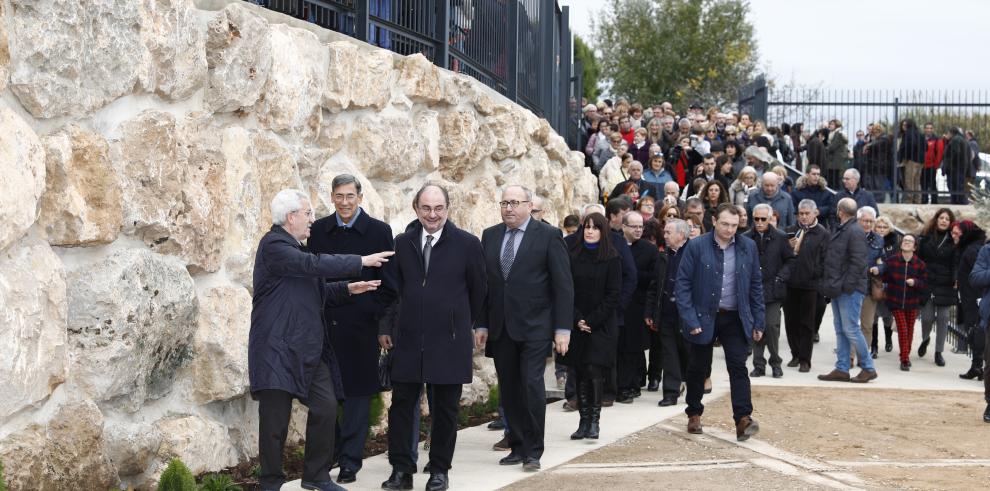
x,y
439,274
353,327
289,355
979,278
719,294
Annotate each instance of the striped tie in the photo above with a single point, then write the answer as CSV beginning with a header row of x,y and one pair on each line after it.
x,y
509,252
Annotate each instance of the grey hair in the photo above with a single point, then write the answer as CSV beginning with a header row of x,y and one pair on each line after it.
x,y
807,204
677,187
763,206
636,162
680,226
526,190
285,202
592,208
864,210
854,172
343,180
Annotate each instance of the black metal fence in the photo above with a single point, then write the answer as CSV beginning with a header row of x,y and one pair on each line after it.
x,y
520,48
969,110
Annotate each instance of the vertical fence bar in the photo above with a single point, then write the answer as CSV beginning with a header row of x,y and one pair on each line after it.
x,y
443,34
361,20
570,113
898,196
512,52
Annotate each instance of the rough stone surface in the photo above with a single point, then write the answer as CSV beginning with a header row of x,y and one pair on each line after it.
x,y
290,101
131,321
484,378
912,218
357,79
22,167
219,357
458,134
420,79
131,446
82,201
509,139
67,453
32,324
238,58
389,149
4,51
201,444
69,57
175,45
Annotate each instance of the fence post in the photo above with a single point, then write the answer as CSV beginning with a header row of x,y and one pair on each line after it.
x,y
512,53
578,87
443,35
564,74
897,197
361,27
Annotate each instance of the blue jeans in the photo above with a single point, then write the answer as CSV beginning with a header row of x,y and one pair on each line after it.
x,y
845,313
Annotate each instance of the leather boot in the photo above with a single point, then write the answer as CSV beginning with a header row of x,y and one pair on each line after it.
x,y
595,411
584,408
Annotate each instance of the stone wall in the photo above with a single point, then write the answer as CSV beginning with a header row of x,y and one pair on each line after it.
x,y
140,144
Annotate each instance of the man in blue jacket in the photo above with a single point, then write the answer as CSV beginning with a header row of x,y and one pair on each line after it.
x,y
719,294
980,279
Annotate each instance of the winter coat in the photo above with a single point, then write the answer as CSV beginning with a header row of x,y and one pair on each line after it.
x,y
956,157
939,254
979,279
641,154
879,155
912,147
816,151
776,256
353,327
900,296
862,197
781,202
837,151
658,179
935,147
596,300
288,341
739,192
808,266
969,247
633,336
845,261
819,194
699,287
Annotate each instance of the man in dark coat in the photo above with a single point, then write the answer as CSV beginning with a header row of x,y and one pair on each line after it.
x,y
980,280
661,310
352,327
439,275
719,294
530,303
807,239
615,212
775,257
955,163
814,187
633,337
636,177
289,355
850,189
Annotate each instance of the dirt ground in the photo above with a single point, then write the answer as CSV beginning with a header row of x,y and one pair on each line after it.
x,y
824,425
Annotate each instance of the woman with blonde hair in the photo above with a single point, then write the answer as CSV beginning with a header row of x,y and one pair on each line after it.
x,y
740,188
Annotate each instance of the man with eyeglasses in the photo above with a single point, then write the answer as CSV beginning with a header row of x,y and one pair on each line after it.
x,y
808,239
634,338
353,327
775,258
530,306
851,189
439,274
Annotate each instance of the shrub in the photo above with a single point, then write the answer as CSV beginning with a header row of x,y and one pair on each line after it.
x,y
177,478
3,486
218,482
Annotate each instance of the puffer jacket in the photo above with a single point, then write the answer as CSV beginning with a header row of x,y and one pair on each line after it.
x,y
939,254
845,261
819,194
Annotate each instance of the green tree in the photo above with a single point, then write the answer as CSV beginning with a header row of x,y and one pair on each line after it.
x,y
681,51
590,68
177,478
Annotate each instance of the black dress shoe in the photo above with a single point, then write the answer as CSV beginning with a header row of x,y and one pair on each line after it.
x,y
777,372
346,476
873,354
624,398
971,374
532,464
939,360
398,480
321,485
923,348
438,482
986,414
905,367
793,363
668,401
511,459
653,386
817,338
496,425
888,347
758,372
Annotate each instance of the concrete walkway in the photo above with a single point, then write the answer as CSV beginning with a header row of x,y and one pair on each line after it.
x,y
476,466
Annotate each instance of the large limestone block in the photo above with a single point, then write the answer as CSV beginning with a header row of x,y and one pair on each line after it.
x,y
131,446
219,365
359,79
238,58
200,443
290,100
458,134
22,176
132,317
174,188
506,123
912,218
420,79
484,378
392,149
82,202
176,49
473,204
4,51
68,452
32,324
70,58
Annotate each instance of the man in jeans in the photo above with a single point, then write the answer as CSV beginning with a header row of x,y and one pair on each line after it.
x,y
845,283
980,279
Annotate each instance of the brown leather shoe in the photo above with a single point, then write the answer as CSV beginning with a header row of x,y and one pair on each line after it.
x,y
608,402
745,428
864,376
805,367
694,425
835,376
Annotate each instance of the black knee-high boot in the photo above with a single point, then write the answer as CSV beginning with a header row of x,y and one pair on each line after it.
x,y
584,408
596,407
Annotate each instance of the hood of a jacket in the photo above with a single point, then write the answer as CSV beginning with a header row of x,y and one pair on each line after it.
x,y
802,183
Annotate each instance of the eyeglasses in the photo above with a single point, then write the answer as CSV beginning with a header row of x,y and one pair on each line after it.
x,y
308,213
732,134
345,197
510,204
436,209
760,219
534,211
635,227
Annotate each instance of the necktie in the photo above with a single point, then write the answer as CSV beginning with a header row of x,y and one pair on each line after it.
x,y
509,252
427,250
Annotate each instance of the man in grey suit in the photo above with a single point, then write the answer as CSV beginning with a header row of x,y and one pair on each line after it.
x,y
530,304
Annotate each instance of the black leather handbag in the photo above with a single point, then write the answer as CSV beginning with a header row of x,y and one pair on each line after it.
x,y
384,370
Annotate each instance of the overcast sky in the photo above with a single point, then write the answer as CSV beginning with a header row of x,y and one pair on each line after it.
x,y
862,44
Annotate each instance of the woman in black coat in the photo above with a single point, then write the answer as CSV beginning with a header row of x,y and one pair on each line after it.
x,y
969,238
596,272
939,254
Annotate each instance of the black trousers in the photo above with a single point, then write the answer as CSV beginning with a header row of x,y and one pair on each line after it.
x,y
821,304
928,183
729,330
986,364
520,366
629,368
800,310
274,410
655,370
352,431
443,433
675,360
